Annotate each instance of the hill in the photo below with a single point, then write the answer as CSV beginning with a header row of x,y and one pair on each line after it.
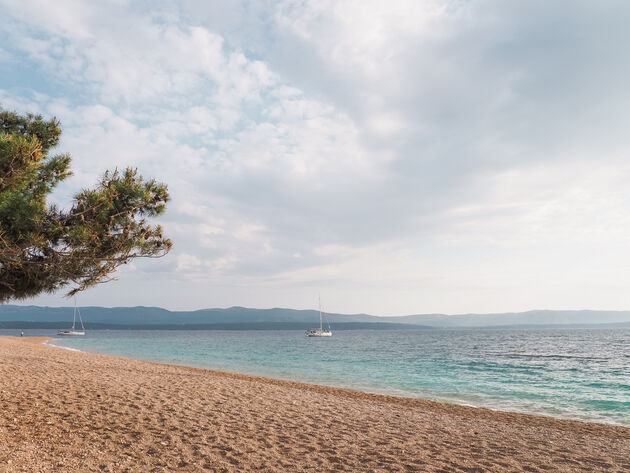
x,y
14,316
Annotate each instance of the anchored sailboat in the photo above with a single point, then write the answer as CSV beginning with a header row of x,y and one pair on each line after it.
x,y
73,331
319,332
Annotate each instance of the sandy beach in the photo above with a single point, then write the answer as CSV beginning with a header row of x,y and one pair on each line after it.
x,y
65,411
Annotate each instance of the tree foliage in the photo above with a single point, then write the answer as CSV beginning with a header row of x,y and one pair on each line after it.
x,y
43,248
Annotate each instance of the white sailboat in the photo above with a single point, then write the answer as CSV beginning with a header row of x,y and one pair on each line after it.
x,y
73,330
319,332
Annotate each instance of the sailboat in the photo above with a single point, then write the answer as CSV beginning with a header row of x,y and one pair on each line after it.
x,y
73,331
319,332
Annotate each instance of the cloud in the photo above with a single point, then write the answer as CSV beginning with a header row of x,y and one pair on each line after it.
x,y
415,144
186,262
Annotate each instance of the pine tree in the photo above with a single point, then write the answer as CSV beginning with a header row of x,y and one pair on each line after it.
x,y
43,248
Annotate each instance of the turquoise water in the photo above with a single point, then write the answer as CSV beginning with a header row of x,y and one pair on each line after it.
x,y
578,373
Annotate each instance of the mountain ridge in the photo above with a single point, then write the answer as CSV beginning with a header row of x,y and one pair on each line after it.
x,y
232,316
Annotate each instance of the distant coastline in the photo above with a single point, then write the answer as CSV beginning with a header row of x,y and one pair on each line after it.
x,y
241,318
19,324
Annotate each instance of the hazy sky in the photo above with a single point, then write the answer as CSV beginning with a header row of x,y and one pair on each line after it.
x,y
397,157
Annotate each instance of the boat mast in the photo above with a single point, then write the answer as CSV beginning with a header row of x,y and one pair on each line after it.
x,y
320,313
74,315
74,318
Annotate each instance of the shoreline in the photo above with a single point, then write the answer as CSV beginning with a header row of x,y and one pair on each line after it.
x,y
453,402
78,411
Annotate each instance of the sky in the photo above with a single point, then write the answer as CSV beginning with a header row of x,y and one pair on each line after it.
x,y
396,157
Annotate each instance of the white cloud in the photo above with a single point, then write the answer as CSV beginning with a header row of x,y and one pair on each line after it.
x,y
186,262
452,149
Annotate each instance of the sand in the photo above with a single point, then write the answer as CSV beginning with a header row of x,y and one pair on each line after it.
x,y
65,411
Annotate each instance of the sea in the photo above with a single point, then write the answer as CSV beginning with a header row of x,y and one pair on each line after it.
x,y
579,374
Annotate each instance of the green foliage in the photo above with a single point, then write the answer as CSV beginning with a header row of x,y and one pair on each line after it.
x,y
42,248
